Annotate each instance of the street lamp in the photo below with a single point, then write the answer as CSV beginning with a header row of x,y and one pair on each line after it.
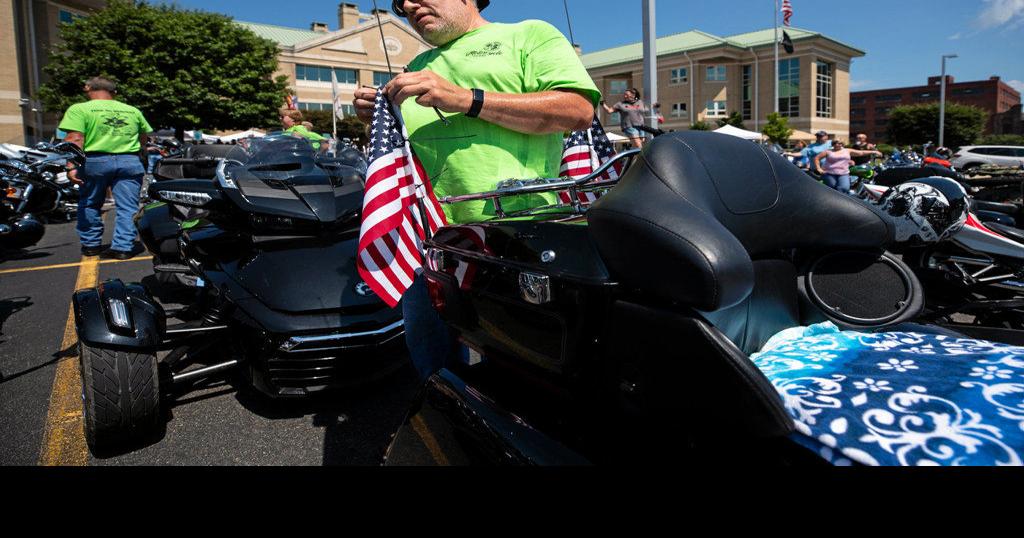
x,y
942,101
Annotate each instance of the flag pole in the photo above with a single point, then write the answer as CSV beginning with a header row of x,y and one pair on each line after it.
x,y
776,69
334,106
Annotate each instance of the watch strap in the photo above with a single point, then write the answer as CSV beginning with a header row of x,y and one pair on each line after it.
x,y
478,103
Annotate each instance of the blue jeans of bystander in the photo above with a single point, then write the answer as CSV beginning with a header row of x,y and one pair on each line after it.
x,y
839,182
123,174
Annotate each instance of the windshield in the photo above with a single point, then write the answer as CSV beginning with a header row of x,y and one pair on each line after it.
x,y
290,157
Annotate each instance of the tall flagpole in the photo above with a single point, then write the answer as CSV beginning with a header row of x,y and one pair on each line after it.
x,y
776,69
650,61
334,105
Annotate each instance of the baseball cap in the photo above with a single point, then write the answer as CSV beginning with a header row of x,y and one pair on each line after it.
x,y
821,133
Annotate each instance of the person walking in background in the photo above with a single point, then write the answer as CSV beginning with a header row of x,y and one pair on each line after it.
x,y
631,113
836,172
860,143
111,134
799,155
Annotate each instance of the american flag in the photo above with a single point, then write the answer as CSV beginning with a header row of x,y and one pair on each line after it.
x,y
787,12
585,151
391,236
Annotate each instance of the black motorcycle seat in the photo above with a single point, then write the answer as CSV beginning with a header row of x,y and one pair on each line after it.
x,y
687,219
998,207
1009,231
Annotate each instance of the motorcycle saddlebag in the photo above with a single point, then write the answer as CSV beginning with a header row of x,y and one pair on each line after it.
x,y
532,290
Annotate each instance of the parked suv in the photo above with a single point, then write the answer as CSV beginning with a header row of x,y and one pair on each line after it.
x,y
973,156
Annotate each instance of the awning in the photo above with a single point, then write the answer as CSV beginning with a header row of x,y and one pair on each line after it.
x,y
739,133
251,133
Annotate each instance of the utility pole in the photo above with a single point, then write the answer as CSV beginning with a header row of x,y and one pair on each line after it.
x,y
775,70
942,101
651,61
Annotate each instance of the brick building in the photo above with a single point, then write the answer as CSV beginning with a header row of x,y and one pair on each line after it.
x,y
869,110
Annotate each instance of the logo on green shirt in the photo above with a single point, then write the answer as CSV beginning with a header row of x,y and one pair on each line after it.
x,y
491,49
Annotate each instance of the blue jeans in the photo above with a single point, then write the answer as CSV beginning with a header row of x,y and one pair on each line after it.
x,y
839,182
427,337
153,158
123,174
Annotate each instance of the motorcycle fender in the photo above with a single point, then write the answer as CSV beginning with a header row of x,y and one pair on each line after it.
x,y
455,424
115,314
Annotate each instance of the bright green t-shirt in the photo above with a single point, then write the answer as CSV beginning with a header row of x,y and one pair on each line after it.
x,y
472,155
302,131
108,126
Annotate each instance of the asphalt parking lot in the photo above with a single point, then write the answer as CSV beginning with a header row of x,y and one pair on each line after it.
x,y
218,424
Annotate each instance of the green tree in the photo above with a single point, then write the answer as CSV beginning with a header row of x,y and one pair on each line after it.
x,y
184,69
777,128
916,124
700,125
735,119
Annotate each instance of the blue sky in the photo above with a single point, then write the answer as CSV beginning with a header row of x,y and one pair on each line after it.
x,y
904,39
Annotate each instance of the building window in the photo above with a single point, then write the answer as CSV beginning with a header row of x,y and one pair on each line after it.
x,y
679,110
380,79
317,73
882,110
68,17
824,83
679,76
855,112
789,87
715,73
748,102
887,98
618,87
715,109
314,106
857,100
924,95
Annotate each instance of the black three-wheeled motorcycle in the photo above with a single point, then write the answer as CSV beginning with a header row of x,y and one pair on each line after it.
x,y
625,333
269,248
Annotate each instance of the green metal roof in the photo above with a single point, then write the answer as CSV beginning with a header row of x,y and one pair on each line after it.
x,y
282,35
696,40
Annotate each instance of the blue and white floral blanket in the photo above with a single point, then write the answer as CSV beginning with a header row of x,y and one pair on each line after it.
x,y
899,398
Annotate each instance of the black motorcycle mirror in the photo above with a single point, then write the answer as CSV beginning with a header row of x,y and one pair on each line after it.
x,y
187,192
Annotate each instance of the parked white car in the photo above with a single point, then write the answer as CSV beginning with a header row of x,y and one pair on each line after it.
x,y
969,157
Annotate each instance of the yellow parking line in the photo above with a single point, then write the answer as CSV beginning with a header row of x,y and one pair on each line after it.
x,y
64,438
69,265
428,439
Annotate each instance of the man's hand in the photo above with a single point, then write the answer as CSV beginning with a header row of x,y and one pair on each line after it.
x,y
430,90
73,177
364,102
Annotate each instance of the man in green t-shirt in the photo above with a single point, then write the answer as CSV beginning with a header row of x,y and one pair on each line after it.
x,y
111,133
509,91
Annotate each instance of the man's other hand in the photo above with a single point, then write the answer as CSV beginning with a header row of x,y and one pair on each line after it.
x,y
430,90
363,102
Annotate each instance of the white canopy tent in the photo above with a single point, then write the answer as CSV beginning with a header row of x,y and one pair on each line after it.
x,y
251,133
739,133
615,138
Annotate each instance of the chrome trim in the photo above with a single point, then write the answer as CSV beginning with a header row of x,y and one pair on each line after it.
x,y
200,372
296,341
222,179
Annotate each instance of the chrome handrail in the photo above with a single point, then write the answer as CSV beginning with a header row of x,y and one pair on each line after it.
x,y
541,185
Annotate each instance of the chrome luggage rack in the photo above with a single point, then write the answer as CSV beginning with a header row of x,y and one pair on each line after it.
x,y
516,187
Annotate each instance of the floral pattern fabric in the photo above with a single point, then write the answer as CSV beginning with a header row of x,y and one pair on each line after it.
x,y
899,398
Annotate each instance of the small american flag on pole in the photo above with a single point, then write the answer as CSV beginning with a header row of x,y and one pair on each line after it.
x,y
787,12
391,237
585,151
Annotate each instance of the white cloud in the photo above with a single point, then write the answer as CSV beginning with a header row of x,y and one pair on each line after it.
x,y
954,37
1017,85
860,84
998,13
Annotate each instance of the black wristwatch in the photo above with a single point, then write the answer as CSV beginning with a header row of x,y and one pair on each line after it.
x,y
478,103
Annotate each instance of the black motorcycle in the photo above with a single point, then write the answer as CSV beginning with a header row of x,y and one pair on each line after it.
x,y
624,333
276,294
32,190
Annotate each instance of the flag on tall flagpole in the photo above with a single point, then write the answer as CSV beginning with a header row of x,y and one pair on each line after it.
x,y
787,12
584,152
391,236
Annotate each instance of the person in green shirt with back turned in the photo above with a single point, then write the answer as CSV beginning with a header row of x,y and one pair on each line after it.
x,y
111,133
509,91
